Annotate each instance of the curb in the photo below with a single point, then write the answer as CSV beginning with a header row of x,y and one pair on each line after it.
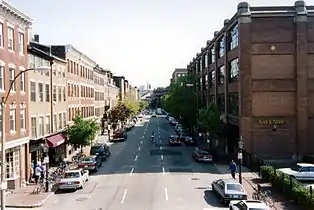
x,y
35,205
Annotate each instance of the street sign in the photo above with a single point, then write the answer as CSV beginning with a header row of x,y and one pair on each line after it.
x,y
240,156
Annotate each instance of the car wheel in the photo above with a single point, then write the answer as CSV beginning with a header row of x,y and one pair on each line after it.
x,y
222,200
213,189
96,169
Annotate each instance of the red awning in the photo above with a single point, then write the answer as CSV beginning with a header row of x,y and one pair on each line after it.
x,y
56,140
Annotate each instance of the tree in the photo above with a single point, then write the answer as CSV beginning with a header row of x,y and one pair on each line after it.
x,y
82,132
209,119
119,113
133,106
181,102
143,105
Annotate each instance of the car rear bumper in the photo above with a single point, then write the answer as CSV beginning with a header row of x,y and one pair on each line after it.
x,y
71,186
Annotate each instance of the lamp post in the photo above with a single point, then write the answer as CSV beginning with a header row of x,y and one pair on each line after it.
x,y
240,157
3,103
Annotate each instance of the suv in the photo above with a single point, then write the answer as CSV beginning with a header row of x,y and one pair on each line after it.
x,y
101,150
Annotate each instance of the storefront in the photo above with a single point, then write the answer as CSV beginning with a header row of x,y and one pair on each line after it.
x,y
57,148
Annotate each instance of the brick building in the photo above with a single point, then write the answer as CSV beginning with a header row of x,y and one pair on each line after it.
x,y
178,73
259,70
14,29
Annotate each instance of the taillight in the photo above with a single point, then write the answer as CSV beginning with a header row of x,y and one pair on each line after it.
x,y
77,182
225,195
61,183
81,165
91,164
244,197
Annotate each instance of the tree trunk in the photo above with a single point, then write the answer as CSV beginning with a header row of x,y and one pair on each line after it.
x,y
81,148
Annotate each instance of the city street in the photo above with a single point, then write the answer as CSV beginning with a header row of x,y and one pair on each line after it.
x,y
143,176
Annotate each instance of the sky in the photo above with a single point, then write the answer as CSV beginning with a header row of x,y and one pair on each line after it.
x,y
143,40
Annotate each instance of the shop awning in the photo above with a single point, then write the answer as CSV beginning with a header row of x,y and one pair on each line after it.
x,y
55,140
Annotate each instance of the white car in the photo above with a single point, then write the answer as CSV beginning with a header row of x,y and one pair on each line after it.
x,y
248,205
74,179
303,171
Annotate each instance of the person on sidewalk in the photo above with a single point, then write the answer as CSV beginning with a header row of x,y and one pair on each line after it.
x,y
233,168
31,172
37,173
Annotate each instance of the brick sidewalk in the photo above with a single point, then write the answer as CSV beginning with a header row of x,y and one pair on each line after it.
x,y
250,181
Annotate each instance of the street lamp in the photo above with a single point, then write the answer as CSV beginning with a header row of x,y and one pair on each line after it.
x,y
240,157
3,103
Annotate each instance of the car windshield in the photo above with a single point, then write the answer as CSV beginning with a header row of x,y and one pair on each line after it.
x,y
70,175
296,168
94,149
202,152
173,138
235,187
88,159
256,208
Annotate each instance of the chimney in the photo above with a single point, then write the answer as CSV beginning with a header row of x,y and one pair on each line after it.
x,y
36,38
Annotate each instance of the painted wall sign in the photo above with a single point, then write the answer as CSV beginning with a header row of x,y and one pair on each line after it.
x,y
272,122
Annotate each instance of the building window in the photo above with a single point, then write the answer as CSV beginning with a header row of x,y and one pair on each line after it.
x,y
221,75
34,126
47,93
23,119
55,123
221,47
40,92
12,75
206,60
212,79
234,70
201,64
1,78
13,164
21,43
47,123
64,94
212,99
31,61
64,120
22,82
33,91
221,103
60,121
10,38
233,104
59,94
212,55
12,120
54,95
206,82
41,126
234,35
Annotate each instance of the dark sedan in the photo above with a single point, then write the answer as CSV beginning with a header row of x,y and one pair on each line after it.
x,y
201,155
174,140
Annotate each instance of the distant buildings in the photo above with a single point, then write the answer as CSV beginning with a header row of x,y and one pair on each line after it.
x,y
178,73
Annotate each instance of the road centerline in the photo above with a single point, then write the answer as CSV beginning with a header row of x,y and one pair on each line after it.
x,y
166,194
131,172
163,170
124,196
135,159
162,157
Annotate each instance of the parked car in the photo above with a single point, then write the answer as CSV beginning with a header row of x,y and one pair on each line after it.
x,y
174,140
248,204
119,135
188,140
228,189
74,179
101,150
91,163
302,171
201,155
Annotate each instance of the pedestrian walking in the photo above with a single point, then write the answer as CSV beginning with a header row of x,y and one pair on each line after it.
x,y
233,168
37,173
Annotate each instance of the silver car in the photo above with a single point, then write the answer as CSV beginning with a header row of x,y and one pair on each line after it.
x,y
228,189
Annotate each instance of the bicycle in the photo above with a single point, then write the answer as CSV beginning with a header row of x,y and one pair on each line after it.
x,y
263,196
77,158
41,186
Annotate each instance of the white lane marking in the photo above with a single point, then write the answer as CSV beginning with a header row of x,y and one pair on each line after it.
x,y
143,136
162,157
132,170
139,148
135,159
166,194
124,196
163,171
160,147
142,142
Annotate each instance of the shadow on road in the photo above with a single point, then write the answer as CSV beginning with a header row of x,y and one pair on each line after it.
x,y
211,199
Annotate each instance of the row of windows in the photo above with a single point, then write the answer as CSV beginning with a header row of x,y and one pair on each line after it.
x,y
41,125
99,111
233,103
99,96
99,80
35,61
11,39
74,91
88,111
41,92
14,116
80,70
12,73
209,57
233,75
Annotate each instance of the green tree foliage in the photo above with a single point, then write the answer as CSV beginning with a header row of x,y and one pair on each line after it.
x,y
181,102
143,105
133,106
209,119
82,131
119,113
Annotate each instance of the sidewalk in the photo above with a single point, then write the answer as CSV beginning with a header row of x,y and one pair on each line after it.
x,y
250,180
24,198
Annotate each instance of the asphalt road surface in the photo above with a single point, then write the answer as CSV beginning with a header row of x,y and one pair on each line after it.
x,y
143,176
